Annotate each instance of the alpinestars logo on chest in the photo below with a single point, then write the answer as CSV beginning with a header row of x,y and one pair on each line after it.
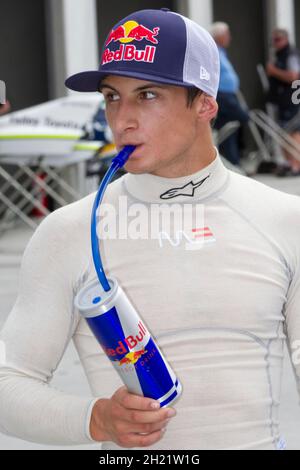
x,y
186,190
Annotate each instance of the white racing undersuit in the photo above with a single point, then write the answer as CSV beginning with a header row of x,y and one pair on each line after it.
x,y
220,312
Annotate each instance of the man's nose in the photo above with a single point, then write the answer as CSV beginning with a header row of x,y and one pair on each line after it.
x,y
127,117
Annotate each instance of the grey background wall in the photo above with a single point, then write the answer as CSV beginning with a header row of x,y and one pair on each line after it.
x,y
23,52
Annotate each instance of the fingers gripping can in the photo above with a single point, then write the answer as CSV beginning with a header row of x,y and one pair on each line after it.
x,y
127,342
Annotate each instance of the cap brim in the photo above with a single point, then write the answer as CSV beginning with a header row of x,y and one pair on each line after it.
x,y
85,81
90,80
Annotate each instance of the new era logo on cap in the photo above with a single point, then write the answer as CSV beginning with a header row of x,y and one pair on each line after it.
x,y
204,75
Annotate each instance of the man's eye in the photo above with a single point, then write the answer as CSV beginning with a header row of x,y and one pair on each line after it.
x,y
112,97
148,95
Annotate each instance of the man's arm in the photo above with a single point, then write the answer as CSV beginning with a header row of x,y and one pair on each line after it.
x,y
292,326
288,76
35,337
292,305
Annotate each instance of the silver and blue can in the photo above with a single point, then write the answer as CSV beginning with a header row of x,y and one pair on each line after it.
x,y
127,342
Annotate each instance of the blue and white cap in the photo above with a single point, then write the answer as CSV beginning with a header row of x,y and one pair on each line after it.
x,y
157,45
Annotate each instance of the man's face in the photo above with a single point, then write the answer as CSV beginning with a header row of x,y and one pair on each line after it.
x,y
153,117
279,41
224,39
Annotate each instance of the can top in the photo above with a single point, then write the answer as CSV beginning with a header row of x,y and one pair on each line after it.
x,y
92,298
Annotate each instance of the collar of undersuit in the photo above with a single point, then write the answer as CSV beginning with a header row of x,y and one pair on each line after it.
x,y
200,185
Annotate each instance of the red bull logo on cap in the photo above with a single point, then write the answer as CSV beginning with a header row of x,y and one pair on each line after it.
x,y
126,33
132,31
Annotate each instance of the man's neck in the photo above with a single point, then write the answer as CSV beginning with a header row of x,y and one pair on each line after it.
x,y
199,157
197,186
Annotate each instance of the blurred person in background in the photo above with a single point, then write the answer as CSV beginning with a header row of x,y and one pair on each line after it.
x,y
282,72
230,108
4,108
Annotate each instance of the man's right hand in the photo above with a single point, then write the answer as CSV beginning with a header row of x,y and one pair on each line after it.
x,y
124,416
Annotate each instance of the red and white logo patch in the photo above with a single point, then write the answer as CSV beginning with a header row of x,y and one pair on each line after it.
x,y
204,234
194,240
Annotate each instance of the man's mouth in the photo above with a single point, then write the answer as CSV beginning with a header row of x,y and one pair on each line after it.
x,y
137,147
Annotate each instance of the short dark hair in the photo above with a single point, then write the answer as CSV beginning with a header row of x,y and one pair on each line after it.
x,y
192,92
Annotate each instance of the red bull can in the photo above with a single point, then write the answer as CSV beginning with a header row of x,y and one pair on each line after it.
x,y
127,342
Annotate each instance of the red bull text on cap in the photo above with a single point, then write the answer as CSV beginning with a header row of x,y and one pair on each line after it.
x,y
157,45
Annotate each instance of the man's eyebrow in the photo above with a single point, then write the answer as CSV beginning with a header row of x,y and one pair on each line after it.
x,y
150,85
104,85
140,88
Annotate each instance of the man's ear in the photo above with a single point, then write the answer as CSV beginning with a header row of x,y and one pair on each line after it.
x,y
207,108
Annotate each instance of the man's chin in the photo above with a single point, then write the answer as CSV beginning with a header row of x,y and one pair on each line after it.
x,y
137,167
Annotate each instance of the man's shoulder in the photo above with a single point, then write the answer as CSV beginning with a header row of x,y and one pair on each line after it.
x,y
79,212
72,216
270,208
273,213
65,232
250,188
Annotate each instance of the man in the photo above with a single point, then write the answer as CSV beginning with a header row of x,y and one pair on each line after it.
x,y
282,73
219,298
229,106
4,108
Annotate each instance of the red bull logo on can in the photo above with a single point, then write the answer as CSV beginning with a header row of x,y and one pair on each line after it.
x,y
126,33
130,342
132,357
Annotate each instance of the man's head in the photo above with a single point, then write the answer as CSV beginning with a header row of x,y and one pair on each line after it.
x,y
280,38
157,119
159,75
221,33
